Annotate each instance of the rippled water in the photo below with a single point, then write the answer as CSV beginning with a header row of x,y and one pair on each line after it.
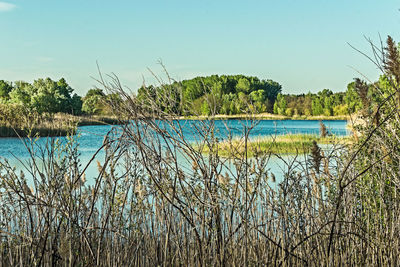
x,y
91,137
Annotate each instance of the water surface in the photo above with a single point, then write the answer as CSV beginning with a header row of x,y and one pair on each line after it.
x,y
90,138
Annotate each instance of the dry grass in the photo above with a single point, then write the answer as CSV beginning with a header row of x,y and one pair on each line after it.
x,y
17,121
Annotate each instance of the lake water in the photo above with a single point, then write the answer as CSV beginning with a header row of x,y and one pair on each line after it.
x,y
91,137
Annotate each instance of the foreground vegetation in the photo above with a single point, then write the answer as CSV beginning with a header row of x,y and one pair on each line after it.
x,y
156,200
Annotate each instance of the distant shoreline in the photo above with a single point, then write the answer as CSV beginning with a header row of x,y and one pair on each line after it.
x,y
64,124
263,116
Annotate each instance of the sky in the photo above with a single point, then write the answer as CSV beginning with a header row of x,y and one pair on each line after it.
x,y
303,45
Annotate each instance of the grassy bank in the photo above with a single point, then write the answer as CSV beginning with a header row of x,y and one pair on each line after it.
x,y
60,124
89,120
264,116
281,144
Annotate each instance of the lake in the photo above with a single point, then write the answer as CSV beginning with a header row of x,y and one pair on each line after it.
x,y
91,137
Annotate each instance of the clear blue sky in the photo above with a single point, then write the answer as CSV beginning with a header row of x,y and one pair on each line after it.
x,y
300,44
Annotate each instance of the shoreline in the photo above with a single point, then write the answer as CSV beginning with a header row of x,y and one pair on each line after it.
x,y
59,125
263,116
64,124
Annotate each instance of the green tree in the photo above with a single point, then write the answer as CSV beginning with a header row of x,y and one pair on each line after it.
x,y
76,105
351,98
258,98
5,89
21,94
280,105
93,102
205,108
190,91
243,85
316,107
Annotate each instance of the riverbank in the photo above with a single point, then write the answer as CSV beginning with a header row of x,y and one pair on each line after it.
x,y
280,144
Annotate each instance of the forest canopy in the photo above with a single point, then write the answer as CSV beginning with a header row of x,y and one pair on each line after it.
x,y
238,94
43,95
215,94
225,94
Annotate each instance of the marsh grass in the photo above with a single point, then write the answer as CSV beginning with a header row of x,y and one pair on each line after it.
x,y
85,120
279,144
18,121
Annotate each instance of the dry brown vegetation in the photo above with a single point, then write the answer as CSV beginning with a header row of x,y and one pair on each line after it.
x,y
18,121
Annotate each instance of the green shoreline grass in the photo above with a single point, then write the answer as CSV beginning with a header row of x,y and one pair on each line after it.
x,y
281,144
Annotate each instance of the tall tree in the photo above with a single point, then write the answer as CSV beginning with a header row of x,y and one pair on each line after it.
x,y
5,89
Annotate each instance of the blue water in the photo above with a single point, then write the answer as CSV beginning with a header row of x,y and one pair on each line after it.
x,y
268,127
91,137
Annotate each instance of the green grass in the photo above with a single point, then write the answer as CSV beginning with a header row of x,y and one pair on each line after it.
x,y
281,144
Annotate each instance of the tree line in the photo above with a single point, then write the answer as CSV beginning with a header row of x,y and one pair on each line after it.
x,y
48,96
238,94
224,94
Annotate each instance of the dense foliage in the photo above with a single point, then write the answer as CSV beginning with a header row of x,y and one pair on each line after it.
x,y
238,94
43,95
324,103
225,94
48,96
96,102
